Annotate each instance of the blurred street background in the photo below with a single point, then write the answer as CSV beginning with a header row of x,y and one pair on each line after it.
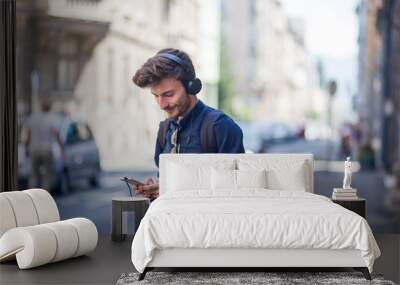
x,y
299,76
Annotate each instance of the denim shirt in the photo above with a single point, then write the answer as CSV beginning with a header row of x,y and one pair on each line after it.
x,y
228,135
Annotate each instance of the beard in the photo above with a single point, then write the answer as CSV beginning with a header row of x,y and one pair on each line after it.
x,y
173,111
177,109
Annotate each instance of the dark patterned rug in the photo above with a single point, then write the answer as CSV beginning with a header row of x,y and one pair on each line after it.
x,y
228,278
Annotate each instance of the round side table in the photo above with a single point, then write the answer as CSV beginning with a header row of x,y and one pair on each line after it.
x,y
121,205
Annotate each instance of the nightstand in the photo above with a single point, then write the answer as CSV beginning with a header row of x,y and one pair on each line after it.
x,y
358,205
120,207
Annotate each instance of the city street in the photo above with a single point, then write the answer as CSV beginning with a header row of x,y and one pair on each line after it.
x,y
95,203
321,149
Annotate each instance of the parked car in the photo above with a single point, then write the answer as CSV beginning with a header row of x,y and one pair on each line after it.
x,y
273,133
81,158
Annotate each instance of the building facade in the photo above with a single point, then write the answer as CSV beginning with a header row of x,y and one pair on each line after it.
x,y
86,52
378,101
274,75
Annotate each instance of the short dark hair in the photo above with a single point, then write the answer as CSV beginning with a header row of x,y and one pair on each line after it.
x,y
158,68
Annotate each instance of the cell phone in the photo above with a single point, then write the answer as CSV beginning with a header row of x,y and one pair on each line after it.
x,y
132,181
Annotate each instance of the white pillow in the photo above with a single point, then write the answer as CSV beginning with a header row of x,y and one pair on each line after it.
x,y
251,178
183,177
288,174
293,180
193,176
223,179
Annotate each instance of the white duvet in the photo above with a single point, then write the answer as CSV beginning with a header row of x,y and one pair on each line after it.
x,y
250,219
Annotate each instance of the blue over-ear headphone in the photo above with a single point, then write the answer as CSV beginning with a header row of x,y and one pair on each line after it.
x,y
192,85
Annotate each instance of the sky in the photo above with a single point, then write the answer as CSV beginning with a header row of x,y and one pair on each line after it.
x,y
331,25
331,32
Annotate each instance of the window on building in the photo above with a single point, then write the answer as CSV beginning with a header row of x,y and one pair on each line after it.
x,y
110,69
166,10
78,132
67,68
125,79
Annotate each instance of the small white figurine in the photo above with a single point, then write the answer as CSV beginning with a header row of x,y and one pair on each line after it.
x,y
347,174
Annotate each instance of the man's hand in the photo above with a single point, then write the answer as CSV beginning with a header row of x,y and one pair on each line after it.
x,y
150,190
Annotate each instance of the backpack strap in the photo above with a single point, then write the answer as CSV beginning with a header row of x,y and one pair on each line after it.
x,y
207,135
162,133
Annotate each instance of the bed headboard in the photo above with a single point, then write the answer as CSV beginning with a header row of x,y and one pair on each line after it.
x,y
277,160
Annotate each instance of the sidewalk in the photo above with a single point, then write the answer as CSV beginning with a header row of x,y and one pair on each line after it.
x,y
95,203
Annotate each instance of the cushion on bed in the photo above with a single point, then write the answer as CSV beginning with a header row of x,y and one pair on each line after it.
x,y
223,179
293,172
231,180
193,176
281,174
251,178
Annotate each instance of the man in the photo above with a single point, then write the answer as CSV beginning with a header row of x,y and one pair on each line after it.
x,y
41,133
191,126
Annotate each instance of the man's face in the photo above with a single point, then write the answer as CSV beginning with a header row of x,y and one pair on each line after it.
x,y
171,96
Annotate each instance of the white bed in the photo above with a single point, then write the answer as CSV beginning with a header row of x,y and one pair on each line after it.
x,y
201,219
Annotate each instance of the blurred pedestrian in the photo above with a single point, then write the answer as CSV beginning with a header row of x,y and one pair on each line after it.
x,y
41,133
301,132
363,145
346,141
367,156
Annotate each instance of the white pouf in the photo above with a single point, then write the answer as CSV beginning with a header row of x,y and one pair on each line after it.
x,y
31,232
